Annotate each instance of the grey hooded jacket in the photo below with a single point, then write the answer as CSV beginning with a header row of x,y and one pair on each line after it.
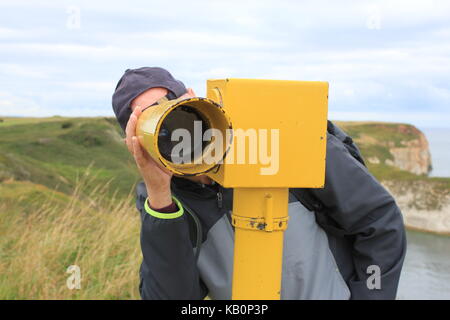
x,y
329,253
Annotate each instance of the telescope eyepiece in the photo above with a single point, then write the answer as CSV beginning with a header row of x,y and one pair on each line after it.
x,y
194,125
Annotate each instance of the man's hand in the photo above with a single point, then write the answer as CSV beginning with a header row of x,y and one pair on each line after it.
x,y
156,178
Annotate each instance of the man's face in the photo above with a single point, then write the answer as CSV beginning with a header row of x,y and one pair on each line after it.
x,y
152,95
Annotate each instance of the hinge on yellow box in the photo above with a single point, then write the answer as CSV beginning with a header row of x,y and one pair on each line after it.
x,y
276,224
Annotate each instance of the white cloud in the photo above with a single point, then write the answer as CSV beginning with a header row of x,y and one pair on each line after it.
x,y
26,71
179,38
81,51
6,33
99,86
11,105
421,119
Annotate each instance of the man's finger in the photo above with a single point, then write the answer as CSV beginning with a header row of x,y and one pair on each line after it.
x,y
130,131
138,111
137,151
131,126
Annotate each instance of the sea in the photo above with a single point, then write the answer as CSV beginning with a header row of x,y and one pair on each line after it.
x,y
439,141
426,270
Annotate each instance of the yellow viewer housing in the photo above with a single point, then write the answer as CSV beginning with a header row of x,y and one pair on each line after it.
x,y
297,109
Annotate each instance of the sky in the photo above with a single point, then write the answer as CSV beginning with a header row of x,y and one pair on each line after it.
x,y
384,60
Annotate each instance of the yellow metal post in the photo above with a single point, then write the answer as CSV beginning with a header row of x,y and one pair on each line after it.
x,y
259,217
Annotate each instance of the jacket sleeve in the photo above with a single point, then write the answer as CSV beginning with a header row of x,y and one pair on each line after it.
x,y
168,269
358,204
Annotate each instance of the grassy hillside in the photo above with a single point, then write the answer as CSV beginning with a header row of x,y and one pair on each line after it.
x,y
66,199
54,152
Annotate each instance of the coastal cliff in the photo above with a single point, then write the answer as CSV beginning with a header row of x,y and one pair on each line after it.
x,y
398,155
402,146
425,204
413,155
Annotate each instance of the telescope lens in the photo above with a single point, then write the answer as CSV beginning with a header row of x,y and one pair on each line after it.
x,y
194,125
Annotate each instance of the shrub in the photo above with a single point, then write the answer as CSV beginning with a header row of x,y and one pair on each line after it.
x,y
66,125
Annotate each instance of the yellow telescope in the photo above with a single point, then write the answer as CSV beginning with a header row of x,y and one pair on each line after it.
x,y
193,116
291,116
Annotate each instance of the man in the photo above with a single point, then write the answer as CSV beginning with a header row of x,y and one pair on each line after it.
x,y
348,244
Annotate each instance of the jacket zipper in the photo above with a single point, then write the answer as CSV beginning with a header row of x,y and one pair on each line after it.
x,y
219,199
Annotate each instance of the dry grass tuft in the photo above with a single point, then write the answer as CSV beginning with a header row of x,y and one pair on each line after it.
x,y
94,232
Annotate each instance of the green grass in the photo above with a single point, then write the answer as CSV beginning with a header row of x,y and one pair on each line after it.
x,y
11,121
383,132
55,151
25,196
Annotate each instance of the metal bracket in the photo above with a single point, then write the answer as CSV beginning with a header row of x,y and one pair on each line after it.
x,y
267,223
277,224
